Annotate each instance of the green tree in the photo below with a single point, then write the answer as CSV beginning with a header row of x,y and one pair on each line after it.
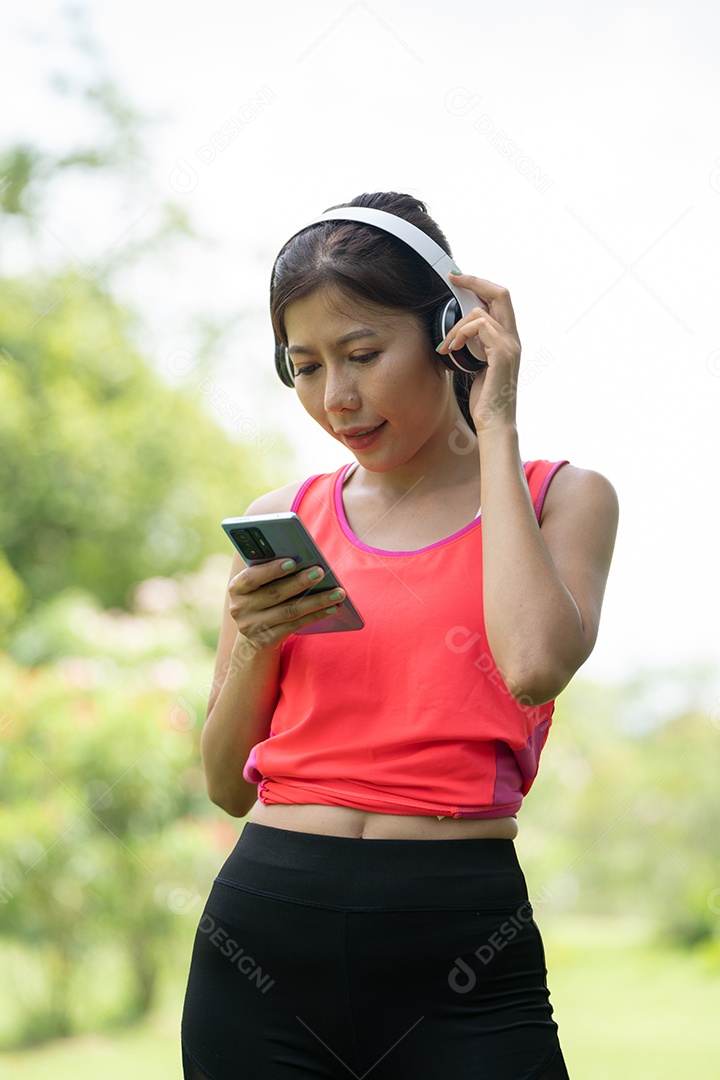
x,y
109,475
111,470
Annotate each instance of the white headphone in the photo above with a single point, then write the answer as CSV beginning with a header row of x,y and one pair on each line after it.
x,y
449,312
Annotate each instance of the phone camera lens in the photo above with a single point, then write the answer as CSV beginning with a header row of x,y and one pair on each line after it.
x,y
245,542
252,544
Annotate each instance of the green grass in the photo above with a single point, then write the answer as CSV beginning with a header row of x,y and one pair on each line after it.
x,y
631,1009
149,1051
626,1008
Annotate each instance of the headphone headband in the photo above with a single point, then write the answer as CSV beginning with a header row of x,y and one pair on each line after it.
x,y
419,241
431,253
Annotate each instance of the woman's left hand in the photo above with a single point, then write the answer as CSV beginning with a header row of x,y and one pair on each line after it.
x,y
493,395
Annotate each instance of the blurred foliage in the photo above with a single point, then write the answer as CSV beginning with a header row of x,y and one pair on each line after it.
x,y
17,167
624,820
108,474
105,837
111,470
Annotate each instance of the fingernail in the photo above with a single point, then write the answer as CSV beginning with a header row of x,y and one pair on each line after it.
x,y
439,347
330,610
451,346
314,574
455,271
337,595
287,565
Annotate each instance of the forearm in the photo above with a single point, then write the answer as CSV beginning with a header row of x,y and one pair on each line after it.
x,y
533,624
238,719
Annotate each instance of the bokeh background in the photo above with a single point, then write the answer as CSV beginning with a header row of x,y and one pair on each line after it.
x,y
153,159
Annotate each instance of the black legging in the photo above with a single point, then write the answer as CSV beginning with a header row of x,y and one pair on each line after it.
x,y
327,957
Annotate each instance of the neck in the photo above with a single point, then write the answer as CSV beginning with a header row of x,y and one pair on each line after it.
x,y
448,459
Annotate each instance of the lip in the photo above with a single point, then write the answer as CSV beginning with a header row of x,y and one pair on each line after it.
x,y
361,442
348,433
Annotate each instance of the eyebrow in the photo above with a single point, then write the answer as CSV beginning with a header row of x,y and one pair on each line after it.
x,y
364,332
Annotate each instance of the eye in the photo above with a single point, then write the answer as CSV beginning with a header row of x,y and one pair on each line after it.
x,y
308,369
365,359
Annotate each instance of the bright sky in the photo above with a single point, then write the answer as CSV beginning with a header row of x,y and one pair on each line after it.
x,y
570,153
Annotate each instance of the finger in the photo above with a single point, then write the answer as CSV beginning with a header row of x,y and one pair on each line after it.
x,y
480,329
497,297
298,607
267,635
277,600
295,587
489,332
283,619
486,290
474,325
251,578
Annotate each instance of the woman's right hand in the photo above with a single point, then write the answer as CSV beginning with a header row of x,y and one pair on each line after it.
x,y
266,607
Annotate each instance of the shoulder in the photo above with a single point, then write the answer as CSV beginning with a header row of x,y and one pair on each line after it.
x,y
281,499
571,486
581,503
277,501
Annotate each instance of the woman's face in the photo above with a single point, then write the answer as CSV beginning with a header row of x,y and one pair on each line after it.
x,y
360,366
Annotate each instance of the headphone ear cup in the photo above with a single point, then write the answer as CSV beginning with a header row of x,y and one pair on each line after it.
x,y
283,365
447,314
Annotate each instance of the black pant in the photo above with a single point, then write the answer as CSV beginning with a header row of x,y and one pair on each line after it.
x,y
328,957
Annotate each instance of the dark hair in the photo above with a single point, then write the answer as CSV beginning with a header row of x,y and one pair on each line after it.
x,y
369,263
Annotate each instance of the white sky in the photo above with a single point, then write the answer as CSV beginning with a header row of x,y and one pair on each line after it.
x,y
610,257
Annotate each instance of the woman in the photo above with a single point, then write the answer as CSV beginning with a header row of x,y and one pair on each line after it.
x,y
319,955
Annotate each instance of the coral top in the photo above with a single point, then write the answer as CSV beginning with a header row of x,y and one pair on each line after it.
x,y
409,715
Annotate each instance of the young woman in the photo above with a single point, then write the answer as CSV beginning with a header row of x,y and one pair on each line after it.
x,y
373,918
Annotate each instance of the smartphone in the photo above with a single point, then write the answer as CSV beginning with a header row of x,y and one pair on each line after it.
x,y
261,538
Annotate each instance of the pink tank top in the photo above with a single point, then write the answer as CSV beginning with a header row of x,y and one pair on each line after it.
x,y
409,715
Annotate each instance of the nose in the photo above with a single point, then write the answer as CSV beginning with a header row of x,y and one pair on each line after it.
x,y
340,390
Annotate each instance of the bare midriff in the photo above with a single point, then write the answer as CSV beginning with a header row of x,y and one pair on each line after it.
x,y
366,825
